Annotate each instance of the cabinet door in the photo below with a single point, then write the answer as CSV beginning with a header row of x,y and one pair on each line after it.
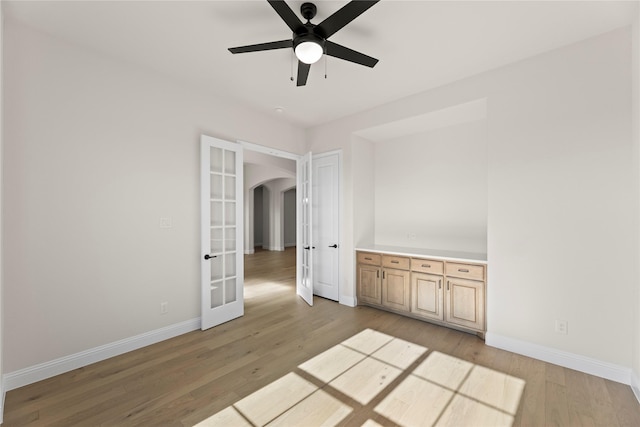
x,y
369,284
465,303
396,289
426,296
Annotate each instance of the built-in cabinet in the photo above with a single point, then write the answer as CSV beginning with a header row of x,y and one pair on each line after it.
x,y
448,292
396,289
369,278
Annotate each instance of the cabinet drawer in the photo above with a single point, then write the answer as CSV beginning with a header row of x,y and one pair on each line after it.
x,y
395,262
427,266
467,271
368,258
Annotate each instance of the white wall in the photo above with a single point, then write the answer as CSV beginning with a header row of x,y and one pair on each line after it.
x,y
636,139
275,227
437,196
1,210
561,199
362,200
265,217
258,169
96,151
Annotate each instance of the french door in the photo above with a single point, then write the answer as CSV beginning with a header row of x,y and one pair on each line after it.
x,y
222,261
304,279
222,227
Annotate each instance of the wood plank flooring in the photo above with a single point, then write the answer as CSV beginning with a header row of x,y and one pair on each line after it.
x,y
292,349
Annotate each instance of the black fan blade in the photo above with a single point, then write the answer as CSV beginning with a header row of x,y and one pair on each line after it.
x,y
262,46
342,17
303,73
339,51
287,15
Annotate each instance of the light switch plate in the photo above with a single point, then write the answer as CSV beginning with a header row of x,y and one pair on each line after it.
x,y
165,222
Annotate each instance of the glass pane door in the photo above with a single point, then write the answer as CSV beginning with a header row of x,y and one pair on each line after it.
x,y
304,281
222,270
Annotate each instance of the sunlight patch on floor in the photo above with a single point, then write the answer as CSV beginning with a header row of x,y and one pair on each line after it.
x,y
227,417
439,390
399,353
274,399
364,381
319,409
333,362
367,341
265,288
444,390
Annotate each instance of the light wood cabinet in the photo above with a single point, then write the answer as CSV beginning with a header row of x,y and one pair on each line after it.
x,y
465,303
396,289
369,284
369,278
450,293
427,296
383,280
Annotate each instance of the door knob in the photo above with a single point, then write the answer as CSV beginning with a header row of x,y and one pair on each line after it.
x,y
207,256
334,246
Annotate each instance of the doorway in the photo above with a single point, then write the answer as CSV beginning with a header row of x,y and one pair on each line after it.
x,y
271,218
268,184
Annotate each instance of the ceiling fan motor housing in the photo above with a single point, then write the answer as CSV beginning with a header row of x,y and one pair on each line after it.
x,y
308,11
309,36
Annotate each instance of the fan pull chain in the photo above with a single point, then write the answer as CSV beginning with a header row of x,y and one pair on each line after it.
x,y
326,59
292,55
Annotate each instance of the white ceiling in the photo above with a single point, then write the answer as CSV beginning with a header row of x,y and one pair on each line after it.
x,y
420,44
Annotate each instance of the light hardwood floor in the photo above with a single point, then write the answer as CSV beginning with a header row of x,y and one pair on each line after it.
x,y
381,369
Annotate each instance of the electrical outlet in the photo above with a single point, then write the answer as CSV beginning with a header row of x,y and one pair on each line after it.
x,y
166,222
164,307
562,327
412,236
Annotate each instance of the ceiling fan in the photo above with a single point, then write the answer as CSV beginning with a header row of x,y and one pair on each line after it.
x,y
309,41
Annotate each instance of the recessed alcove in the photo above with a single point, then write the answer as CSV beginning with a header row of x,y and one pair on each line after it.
x,y
422,181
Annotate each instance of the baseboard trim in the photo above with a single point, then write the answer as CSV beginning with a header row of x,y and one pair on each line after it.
x,y
4,394
42,371
249,251
348,301
635,385
574,361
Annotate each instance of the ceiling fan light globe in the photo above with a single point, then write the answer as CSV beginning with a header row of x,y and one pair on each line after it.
x,y
309,52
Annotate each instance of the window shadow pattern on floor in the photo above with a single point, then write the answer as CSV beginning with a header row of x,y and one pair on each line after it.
x,y
401,383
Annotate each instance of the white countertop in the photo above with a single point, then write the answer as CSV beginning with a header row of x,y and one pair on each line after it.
x,y
446,255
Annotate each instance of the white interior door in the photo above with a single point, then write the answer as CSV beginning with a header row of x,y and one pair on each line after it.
x,y
326,225
304,279
221,230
